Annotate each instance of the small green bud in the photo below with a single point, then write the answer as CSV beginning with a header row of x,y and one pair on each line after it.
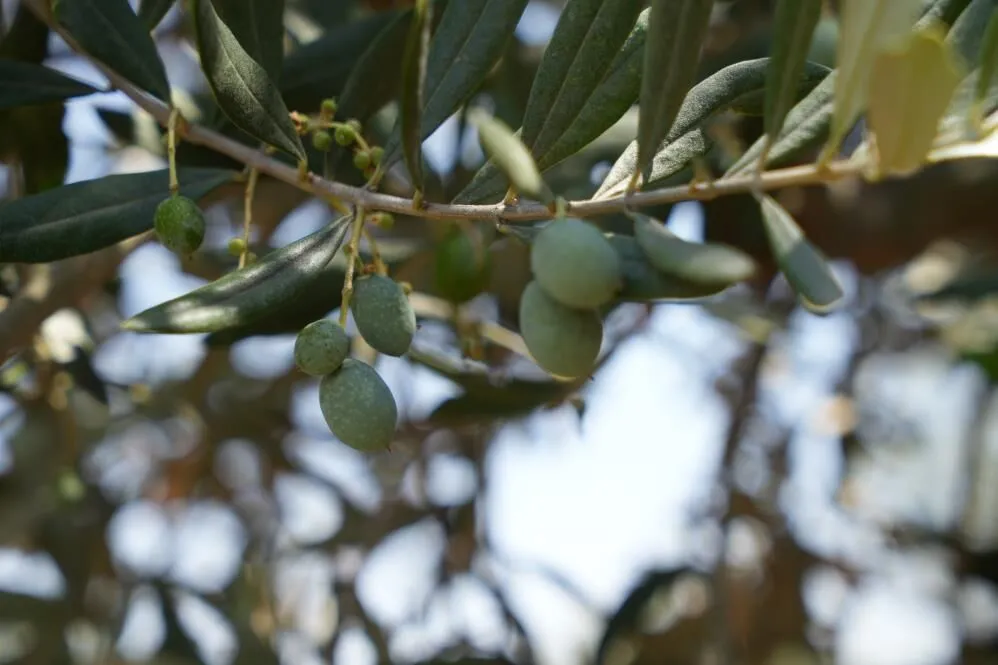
x,y
377,153
345,136
355,125
251,258
321,141
237,246
328,108
361,160
383,220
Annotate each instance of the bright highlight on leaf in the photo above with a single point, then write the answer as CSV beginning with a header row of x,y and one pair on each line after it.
x,y
910,90
501,144
805,268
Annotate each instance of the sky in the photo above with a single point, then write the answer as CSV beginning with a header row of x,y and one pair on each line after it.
x,y
599,500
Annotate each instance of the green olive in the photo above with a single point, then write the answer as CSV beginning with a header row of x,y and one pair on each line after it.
x,y
321,347
563,341
575,265
179,225
358,406
463,266
383,314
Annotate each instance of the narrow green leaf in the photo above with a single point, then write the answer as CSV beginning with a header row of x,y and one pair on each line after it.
x,y
25,83
243,296
679,28
805,127
240,86
988,60
258,26
505,148
643,283
793,30
967,35
945,12
735,85
152,12
83,217
413,80
806,269
468,43
867,28
910,90
595,114
670,166
706,263
111,32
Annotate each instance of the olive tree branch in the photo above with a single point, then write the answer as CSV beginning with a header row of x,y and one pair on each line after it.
x,y
500,212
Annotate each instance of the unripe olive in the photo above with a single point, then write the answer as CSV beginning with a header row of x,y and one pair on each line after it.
x,y
344,136
361,160
321,140
377,153
354,124
563,341
358,406
328,108
237,246
575,265
463,267
179,225
321,347
383,314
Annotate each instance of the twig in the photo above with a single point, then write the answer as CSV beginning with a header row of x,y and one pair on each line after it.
x,y
521,212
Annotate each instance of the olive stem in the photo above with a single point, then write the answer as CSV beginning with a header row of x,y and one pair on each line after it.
x,y
248,194
171,150
379,264
353,251
828,168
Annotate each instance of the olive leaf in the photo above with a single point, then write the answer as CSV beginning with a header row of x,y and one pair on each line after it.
x,y
967,35
322,68
731,86
25,83
505,148
413,80
642,282
867,28
593,114
241,86
467,44
670,167
910,90
245,295
258,26
83,217
793,30
707,263
945,12
679,28
152,12
805,268
988,60
111,32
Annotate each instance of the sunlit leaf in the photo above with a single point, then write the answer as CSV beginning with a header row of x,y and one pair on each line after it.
x,y
25,83
505,148
805,268
245,295
679,28
413,80
241,86
910,89
111,32
83,217
793,30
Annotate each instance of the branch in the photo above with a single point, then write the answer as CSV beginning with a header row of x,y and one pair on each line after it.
x,y
499,212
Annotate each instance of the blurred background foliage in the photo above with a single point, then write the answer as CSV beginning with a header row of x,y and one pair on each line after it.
x,y
150,497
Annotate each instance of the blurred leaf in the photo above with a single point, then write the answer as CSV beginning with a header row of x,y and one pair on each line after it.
x,y
806,270
707,263
611,97
83,217
644,283
945,12
468,43
512,157
111,32
988,60
413,81
152,12
793,31
241,87
910,90
867,27
25,83
679,28
22,607
258,26
322,68
244,296
967,35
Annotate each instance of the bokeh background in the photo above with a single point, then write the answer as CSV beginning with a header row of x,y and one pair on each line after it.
x,y
739,478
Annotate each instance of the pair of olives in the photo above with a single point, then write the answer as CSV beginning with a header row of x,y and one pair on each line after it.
x,y
356,403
